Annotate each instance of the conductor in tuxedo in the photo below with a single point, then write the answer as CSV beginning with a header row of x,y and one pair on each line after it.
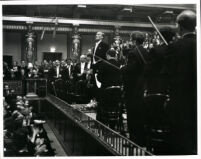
x,y
100,47
183,92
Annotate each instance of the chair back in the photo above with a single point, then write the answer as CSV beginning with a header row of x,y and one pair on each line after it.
x,y
155,109
111,98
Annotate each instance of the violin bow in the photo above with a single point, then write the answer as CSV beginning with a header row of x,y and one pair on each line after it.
x,y
157,30
107,62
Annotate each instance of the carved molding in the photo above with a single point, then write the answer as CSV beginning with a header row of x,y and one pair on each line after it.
x,y
66,29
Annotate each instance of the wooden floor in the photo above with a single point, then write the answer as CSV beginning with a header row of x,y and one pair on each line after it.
x,y
55,144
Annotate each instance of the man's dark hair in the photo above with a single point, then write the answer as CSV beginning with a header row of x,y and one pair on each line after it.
x,y
138,36
168,33
111,53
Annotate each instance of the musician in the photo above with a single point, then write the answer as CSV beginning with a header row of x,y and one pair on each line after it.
x,y
23,68
183,93
100,47
157,72
89,67
107,74
79,75
134,83
91,89
55,71
79,70
64,71
117,46
69,66
44,69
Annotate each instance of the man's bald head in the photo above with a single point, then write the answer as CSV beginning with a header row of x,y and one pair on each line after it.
x,y
187,20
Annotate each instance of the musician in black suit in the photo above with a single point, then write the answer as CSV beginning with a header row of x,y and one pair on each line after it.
x,y
44,69
183,93
23,70
134,83
15,73
107,74
69,66
79,75
157,74
79,69
100,47
91,87
55,71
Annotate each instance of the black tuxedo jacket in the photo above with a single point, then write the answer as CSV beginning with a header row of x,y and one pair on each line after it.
x,y
108,75
53,73
134,73
77,70
64,73
101,50
157,74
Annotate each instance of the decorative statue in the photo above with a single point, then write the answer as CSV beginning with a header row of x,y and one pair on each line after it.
x,y
76,43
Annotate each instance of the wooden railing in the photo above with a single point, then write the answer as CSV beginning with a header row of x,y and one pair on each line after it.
x,y
81,135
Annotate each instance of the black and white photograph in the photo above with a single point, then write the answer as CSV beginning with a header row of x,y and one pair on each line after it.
x,y
87,79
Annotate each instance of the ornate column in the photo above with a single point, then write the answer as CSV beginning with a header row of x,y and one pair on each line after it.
x,y
117,42
30,51
76,42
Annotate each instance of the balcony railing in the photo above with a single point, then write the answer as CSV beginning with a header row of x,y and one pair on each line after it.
x,y
60,113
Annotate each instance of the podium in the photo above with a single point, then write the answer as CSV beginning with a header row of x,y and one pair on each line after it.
x,y
36,87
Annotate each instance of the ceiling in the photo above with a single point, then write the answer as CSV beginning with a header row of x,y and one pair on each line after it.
x,y
125,13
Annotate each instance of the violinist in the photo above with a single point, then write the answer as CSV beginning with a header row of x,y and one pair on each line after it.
x,y
157,72
134,83
183,93
107,74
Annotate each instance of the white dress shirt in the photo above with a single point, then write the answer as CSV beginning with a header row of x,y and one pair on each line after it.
x,y
96,45
57,71
89,65
82,66
69,69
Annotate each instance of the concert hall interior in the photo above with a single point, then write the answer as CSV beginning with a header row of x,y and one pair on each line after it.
x,y
99,80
